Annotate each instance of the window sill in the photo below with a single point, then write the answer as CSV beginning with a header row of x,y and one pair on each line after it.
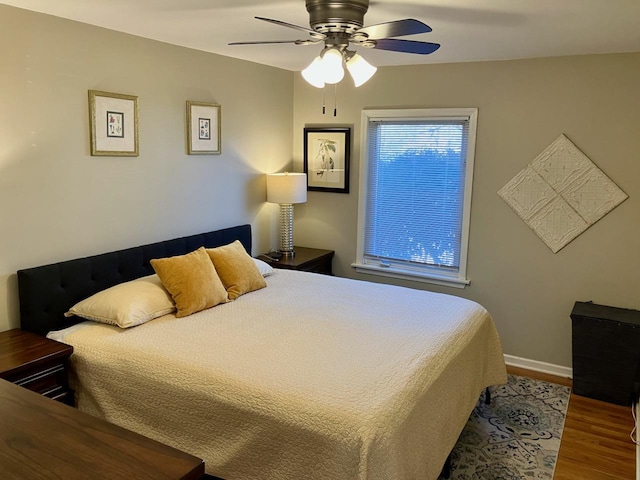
x,y
412,276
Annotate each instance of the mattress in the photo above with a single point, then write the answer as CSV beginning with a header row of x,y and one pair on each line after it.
x,y
313,377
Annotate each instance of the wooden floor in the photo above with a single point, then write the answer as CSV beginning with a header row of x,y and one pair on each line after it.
x,y
595,443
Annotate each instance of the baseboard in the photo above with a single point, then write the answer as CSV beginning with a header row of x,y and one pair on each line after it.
x,y
538,366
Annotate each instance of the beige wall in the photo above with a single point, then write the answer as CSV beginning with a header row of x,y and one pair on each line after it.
x,y
523,106
58,202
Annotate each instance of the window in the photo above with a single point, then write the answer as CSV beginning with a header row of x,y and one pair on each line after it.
x,y
415,193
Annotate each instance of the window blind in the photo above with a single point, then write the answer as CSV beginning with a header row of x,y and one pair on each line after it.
x,y
415,195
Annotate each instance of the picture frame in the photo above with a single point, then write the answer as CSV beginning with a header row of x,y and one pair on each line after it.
x,y
113,124
203,128
326,158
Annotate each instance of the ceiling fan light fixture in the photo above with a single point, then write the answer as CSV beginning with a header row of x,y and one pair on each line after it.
x,y
339,23
359,69
313,74
331,65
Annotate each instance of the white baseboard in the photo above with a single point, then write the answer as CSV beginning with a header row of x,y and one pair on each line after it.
x,y
538,366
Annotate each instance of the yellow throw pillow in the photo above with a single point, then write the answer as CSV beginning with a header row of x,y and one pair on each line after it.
x,y
191,280
126,304
236,269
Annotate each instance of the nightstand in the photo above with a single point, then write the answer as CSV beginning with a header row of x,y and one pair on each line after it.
x,y
36,363
306,260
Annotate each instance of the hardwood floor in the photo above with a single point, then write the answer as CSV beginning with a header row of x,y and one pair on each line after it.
x,y
595,443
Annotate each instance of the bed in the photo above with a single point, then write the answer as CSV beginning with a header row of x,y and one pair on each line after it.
x,y
312,377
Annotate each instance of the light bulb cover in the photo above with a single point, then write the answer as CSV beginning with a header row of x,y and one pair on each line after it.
x,y
313,73
332,66
359,69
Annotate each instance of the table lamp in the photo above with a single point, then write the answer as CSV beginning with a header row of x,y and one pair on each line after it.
x,y
286,189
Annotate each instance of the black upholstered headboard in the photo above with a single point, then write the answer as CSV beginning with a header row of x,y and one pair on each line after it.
x,y
47,292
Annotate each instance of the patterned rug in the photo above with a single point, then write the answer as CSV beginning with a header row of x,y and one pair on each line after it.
x,y
516,436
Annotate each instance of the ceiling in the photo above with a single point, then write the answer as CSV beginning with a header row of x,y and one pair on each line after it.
x,y
468,30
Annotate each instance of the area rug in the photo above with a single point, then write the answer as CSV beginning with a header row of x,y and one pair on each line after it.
x,y
517,436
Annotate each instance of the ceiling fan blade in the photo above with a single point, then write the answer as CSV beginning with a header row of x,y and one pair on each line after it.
x,y
398,28
313,33
406,46
267,42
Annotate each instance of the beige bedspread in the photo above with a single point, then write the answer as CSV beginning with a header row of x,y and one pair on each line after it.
x,y
313,377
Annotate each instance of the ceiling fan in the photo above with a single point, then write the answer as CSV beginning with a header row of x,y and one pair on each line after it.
x,y
339,23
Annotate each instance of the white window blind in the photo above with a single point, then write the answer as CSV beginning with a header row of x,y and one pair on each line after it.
x,y
416,199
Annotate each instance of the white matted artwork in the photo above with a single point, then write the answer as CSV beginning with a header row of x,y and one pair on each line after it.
x,y
326,158
113,123
203,128
561,193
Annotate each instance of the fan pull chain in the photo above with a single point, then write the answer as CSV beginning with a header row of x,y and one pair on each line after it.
x,y
335,100
324,96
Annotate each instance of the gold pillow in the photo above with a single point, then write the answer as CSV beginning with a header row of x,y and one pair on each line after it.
x,y
191,280
236,269
126,304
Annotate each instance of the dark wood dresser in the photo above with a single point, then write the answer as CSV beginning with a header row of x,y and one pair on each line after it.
x,y
606,352
43,439
306,260
36,363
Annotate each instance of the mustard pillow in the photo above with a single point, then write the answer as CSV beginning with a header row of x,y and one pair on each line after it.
x,y
236,269
191,280
126,304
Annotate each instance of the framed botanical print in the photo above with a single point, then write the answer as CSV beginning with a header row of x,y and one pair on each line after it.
x,y
203,128
326,158
113,123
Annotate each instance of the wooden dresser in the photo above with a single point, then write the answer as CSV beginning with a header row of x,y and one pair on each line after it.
x,y
44,439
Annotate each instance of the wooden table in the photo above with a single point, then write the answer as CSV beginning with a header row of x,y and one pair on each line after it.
x,y
44,439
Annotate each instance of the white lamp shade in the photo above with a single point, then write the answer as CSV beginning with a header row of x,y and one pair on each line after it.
x,y
313,73
360,70
331,65
287,188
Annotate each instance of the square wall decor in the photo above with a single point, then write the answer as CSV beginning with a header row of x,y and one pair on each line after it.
x,y
561,193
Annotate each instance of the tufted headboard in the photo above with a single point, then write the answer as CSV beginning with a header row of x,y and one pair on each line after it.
x,y
47,292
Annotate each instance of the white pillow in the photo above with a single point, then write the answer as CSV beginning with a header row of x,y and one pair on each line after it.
x,y
264,267
126,304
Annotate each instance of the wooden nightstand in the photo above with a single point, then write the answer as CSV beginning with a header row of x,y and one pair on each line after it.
x,y
306,260
36,363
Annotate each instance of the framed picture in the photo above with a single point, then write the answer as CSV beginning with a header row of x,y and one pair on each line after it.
x,y
326,159
113,122
203,128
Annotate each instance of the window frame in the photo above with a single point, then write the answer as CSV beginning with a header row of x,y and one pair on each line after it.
x,y
428,274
